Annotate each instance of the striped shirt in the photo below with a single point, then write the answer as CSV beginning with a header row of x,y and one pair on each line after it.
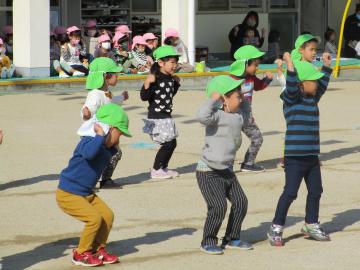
x,y
301,113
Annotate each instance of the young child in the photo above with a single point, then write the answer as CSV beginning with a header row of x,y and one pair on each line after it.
x,y
305,48
305,86
8,40
251,55
124,29
152,43
140,62
214,172
250,38
104,48
103,74
75,194
7,69
273,52
73,53
90,36
159,89
172,38
330,41
120,48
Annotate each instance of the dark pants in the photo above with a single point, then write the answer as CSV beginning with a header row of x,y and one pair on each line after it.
x,y
216,187
164,154
297,169
81,68
110,167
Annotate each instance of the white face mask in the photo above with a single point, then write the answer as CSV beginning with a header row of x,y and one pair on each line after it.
x,y
91,33
251,22
2,50
106,45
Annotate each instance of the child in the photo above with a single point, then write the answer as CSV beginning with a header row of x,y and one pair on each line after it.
x,y
102,75
159,89
8,40
214,172
305,48
330,39
140,62
104,48
152,43
73,52
7,69
273,47
75,194
250,38
172,38
90,36
251,55
124,29
305,86
120,48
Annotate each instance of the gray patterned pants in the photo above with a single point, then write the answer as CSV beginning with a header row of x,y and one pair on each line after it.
x,y
253,132
110,167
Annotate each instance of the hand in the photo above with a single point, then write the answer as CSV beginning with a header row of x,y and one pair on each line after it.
x,y
133,71
1,136
150,79
216,96
142,68
269,75
125,94
288,61
236,30
86,113
279,62
326,57
176,78
99,130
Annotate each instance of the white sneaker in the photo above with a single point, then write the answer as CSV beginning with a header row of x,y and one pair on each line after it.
x,y
78,74
62,74
159,174
4,72
10,72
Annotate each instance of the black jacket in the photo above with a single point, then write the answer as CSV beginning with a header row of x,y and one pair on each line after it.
x,y
351,32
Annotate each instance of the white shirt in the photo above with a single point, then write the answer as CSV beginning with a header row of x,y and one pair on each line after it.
x,y
357,48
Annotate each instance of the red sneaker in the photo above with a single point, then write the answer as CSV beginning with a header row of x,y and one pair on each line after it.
x,y
85,259
106,257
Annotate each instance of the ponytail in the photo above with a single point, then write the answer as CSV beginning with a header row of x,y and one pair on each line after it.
x,y
155,70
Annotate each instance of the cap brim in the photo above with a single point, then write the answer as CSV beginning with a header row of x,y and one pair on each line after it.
x,y
125,131
315,76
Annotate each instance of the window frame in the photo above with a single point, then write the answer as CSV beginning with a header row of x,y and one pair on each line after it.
x,y
157,12
232,10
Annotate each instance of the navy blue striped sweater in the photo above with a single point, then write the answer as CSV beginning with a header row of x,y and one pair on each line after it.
x,y
301,113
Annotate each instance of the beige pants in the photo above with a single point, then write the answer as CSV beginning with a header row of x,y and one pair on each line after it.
x,y
98,218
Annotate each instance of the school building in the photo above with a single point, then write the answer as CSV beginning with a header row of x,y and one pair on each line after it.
x,y
200,22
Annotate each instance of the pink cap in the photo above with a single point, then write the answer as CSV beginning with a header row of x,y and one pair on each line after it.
x,y
59,30
72,29
148,36
171,32
7,30
103,38
1,41
52,34
122,29
118,35
90,23
138,40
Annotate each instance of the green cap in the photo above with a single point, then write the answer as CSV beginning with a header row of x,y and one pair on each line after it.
x,y
307,71
115,116
164,51
98,68
248,52
295,54
238,68
222,84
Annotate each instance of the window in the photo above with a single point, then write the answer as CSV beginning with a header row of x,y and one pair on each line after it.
x,y
151,6
275,4
213,5
246,3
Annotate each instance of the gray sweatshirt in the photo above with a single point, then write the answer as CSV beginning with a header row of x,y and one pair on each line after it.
x,y
222,135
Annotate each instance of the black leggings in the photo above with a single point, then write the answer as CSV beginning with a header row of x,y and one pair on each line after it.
x,y
164,154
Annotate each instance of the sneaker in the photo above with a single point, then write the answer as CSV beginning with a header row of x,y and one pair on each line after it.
x,y
251,168
11,71
4,72
109,183
106,257
315,231
236,244
159,174
62,74
78,74
85,259
172,173
212,250
275,236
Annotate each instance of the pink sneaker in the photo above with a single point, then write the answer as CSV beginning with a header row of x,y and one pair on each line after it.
x,y
172,173
159,174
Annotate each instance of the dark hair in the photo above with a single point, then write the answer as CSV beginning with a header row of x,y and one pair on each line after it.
x,y
274,36
328,33
62,38
228,94
168,41
155,68
305,32
357,7
305,44
75,34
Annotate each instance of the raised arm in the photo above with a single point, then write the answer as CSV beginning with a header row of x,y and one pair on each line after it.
x,y
208,112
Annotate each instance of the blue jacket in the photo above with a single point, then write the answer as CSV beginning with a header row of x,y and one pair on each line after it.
x,y
85,167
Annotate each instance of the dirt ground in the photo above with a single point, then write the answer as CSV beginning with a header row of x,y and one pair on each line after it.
x,y
158,224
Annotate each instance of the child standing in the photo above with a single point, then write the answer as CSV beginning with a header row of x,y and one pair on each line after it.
x,y
251,55
214,172
75,194
305,48
102,75
159,89
305,86
330,41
